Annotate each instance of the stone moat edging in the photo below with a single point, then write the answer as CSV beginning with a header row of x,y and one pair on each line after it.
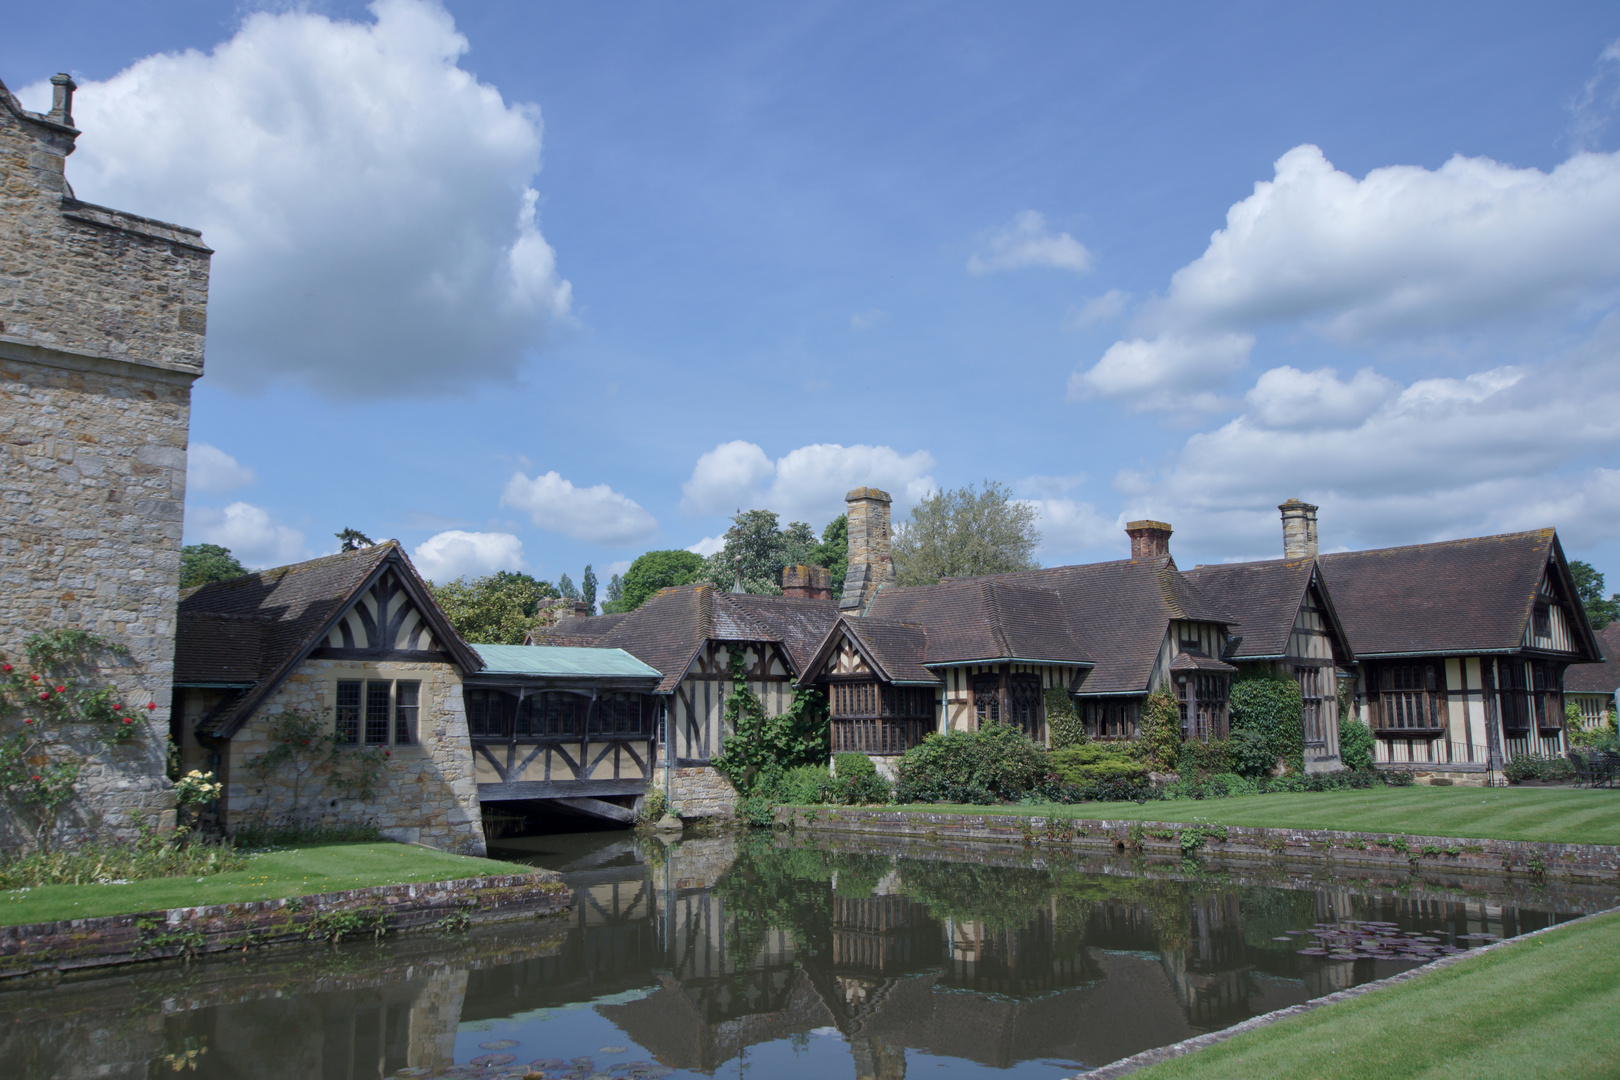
x,y
1126,1066
70,944
1384,851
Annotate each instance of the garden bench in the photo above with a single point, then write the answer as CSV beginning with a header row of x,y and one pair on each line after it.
x,y
1595,769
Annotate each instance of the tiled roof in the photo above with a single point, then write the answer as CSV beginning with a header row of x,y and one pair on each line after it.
x,y
576,630
1457,596
1115,613
292,606
1191,661
668,630
1264,597
978,619
1601,678
899,649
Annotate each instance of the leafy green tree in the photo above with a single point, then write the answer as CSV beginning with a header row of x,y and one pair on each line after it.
x,y
657,570
587,590
965,533
1589,587
499,609
567,589
202,563
833,552
758,548
353,540
615,595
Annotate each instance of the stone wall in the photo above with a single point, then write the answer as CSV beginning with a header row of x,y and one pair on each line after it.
x,y
427,795
696,791
102,317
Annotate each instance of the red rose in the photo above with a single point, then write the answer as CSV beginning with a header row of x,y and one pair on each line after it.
x,y
127,720
46,696
36,778
34,677
61,689
150,705
30,720
388,753
6,667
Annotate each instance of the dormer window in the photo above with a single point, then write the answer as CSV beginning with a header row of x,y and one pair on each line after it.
x,y
1543,621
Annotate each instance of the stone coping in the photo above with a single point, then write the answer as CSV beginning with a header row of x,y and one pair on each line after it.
x,y
1536,860
1128,1065
70,944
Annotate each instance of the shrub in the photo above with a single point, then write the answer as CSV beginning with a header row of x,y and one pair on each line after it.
x,y
1202,757
756,811
653,807
1535,767
1160,744
1271,705
1251,753
1095,761
995,763
1063,719
853,765
803,784
1355,743
861,789
150,856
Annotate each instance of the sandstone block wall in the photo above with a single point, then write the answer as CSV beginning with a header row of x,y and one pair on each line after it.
x,y
696,791
102,319
427,794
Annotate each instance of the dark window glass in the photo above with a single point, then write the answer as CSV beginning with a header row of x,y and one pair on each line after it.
x,y
1512,695
1409,697
1313,699
377,713
1543,621
987,699
1024,704
348,713
405,709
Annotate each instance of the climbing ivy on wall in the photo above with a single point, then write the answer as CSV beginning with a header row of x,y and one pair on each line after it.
x,y
1160,745
760,748
1269,708
1063,719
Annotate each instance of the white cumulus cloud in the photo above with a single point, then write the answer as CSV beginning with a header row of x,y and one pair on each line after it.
x,y
370,202
1286,397
251,534
455,553
1405,254
708,545
595,514
212,471
806,484
1028,242
1071,529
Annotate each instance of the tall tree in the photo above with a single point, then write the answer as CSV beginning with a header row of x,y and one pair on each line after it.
x,y
833,552
587,589
1589,587
615,595
202,563
657,570
566,588
758,548
499,609
354,540
965,533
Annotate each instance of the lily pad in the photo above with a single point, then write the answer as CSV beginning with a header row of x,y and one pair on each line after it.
x,y
493,1059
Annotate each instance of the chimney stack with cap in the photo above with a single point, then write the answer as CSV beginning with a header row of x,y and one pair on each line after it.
x,y
1299,529
807,582
871,558
62,87
1149,539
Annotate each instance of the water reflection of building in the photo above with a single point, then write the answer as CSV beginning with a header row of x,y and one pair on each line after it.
x,y
1081,976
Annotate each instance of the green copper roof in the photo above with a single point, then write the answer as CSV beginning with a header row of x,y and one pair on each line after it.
x,y
561,660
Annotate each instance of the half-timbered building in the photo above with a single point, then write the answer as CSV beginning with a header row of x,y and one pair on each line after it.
x,y
693,634
1592,687
1287,627
1462,648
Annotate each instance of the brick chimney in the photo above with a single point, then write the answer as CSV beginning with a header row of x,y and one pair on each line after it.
x,y
807,582
871,560
1149,539
1299,529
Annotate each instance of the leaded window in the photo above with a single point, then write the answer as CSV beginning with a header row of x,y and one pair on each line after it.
x,y
1201,699
377,695
348,713
1024,704
875,718
1313,684
1409,696
987,699
376,712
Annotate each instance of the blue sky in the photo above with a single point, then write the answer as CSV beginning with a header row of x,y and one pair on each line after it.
x,y
534,285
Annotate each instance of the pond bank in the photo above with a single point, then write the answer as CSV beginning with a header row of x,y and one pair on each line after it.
x,y
70,944
1535,860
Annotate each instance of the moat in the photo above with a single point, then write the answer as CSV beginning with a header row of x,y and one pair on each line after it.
x,y
782,956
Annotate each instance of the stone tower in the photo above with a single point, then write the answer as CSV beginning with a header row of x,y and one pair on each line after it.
x,y
1299,529
102,316
871,560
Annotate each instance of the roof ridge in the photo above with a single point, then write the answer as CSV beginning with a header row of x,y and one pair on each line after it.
x,y
1544,534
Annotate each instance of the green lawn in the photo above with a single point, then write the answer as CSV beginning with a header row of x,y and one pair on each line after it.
x,y
273,874
1556,815
1545,1007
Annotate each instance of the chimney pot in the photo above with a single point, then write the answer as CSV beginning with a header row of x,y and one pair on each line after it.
x,y
62,87
1299,529
1149,539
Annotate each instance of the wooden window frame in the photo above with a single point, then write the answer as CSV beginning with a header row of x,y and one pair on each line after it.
x,y
372,712
869,717
1420,695
1313,703
560,715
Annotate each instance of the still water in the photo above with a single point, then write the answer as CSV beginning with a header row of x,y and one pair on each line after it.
x,y
781,957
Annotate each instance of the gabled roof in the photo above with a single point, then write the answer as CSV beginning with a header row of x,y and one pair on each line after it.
x,y
1115,613
982,619
561,661
895,650
1457,596
1601,678
668,630
293,608
1266,597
